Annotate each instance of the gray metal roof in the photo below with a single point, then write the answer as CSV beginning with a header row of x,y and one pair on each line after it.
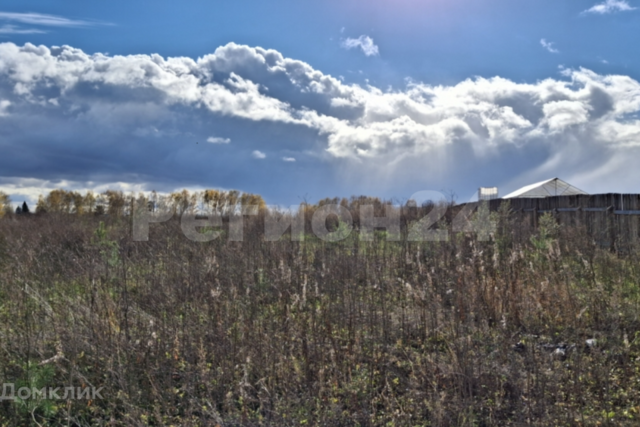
x,y
548,188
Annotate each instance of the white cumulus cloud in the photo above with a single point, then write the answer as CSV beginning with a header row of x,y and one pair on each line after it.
x,y
4,105
288,159
610,6
218,140
369,48
67,114
549,46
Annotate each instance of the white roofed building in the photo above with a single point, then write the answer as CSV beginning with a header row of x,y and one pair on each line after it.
x,y
549,188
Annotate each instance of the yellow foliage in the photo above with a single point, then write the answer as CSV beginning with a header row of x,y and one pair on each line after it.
x,y
5,204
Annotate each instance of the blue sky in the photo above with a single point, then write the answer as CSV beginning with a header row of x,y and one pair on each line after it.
x,y
303,100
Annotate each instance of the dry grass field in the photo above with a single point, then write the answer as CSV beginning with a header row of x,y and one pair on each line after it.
x,y
533,327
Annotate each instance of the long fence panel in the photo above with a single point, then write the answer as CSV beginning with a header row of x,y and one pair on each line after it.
x,y
612,220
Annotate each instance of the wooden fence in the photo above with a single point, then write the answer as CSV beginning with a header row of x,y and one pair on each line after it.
x,y
613,220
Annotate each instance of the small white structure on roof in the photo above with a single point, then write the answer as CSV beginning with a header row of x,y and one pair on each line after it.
x,y
548,188
487,193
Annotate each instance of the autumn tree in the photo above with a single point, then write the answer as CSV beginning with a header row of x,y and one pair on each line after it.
x,y
116,202
101,204
256,200
228,202
61,201
89,202
57,201
212,200
232,199
5,204
41,207
183,202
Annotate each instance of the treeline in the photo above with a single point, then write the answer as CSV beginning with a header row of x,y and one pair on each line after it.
x,y
117,203
334,212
